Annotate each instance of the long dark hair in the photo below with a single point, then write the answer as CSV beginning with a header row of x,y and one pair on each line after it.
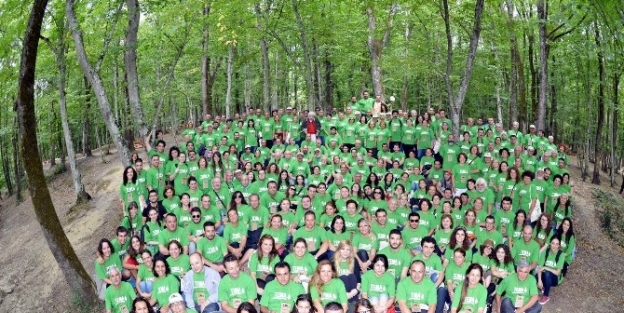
x,y
300,298
464,292
567,236
134,176
147,304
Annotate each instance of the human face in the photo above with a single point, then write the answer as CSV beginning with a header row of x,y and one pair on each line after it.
x,y
115,277
174,250
160,268
555,244
381,218
310,220
233,217
106,250
147,259
364,228
460,236
232,269
527,234
500,254
345,251
276,222
395,241
379,268
458,258
283,275
339,225
141,307
171,223
303,306
417,272
428,248
196,263
135,243
210,232
266,246
489,224
300,249
523,272
446,223
414,222
474,277
326,273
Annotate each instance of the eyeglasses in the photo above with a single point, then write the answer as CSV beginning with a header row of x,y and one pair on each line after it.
x,y
414,221
195,216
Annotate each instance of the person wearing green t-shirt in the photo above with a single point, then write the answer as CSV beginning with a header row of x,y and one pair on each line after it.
x,y
416,293
315,237
398,256
165,284
378,285
280,294
325,287
212,247
236,287
119,295
549,273
200,286
471,295
172,232
526,249
520,292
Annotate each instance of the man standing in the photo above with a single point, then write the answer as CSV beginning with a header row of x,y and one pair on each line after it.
x,y
520,290
200,286
280,294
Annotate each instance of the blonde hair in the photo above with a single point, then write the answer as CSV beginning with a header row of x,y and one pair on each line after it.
x,y
339,259
316,281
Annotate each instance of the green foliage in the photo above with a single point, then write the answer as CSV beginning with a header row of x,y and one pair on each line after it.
x,y
611,214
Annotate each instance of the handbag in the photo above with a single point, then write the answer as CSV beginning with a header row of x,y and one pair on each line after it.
x,y
537,210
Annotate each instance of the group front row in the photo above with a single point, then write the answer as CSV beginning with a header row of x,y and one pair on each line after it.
x,y
425,284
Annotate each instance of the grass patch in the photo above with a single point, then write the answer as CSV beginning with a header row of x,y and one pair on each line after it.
x,y
611,214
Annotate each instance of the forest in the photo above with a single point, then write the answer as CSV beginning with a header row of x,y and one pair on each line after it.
x,y
109,72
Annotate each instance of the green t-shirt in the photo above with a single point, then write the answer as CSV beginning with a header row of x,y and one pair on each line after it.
x,y
366,243
262,267
456,273
213,250
234,291
179,266
334,291
417,296
397,260
164,287
166,236
413,237
520,292
374,286
301,266
525,251
101,270
281,298
119,300
233,233
473,301
314,238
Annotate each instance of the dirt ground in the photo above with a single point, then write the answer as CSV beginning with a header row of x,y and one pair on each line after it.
x,y
32,281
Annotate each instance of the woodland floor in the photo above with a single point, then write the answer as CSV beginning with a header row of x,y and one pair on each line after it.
x,y
32,281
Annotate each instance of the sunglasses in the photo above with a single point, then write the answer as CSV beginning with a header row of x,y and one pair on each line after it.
x,y
414,221
195,216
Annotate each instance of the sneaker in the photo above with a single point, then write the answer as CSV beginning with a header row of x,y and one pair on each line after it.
x,y
543,300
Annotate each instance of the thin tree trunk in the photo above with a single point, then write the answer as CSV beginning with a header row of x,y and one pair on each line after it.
x,y
329,82
96,83
86,128
599,122
6,165
449,61
472,51
266,68
614,125
130,60
62,250
513,88
228,93
542,15
206,87
308,75
276,86
61,64
376,46
17,167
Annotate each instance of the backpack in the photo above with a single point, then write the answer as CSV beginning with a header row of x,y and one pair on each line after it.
x,y
556,256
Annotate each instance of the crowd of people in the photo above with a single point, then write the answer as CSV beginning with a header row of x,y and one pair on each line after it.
x,y
359,210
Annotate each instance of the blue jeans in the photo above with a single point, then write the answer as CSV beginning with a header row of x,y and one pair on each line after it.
x,y
443,297
146,286
508,307
549,280
213,307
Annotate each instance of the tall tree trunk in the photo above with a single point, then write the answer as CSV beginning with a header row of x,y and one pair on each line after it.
x,y
542,15
6,165
86,128
228,93
329,82
472,51
60,52
308,74
614,125
599,122
98,86
449,61
513,88
275,88
266,68
206,86
62,250
17,166
552,129
376,46
130,60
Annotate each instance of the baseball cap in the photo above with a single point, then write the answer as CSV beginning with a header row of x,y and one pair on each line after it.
x,y
487,155
175,298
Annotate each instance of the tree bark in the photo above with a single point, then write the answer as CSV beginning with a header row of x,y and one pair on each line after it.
x,y
449,60
330,84
228,93
61,64
62,250
98,86
266,67
614,127
472,51
130,60
86,129
513,88
376,46
17,166
599,122
308,74
542,15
